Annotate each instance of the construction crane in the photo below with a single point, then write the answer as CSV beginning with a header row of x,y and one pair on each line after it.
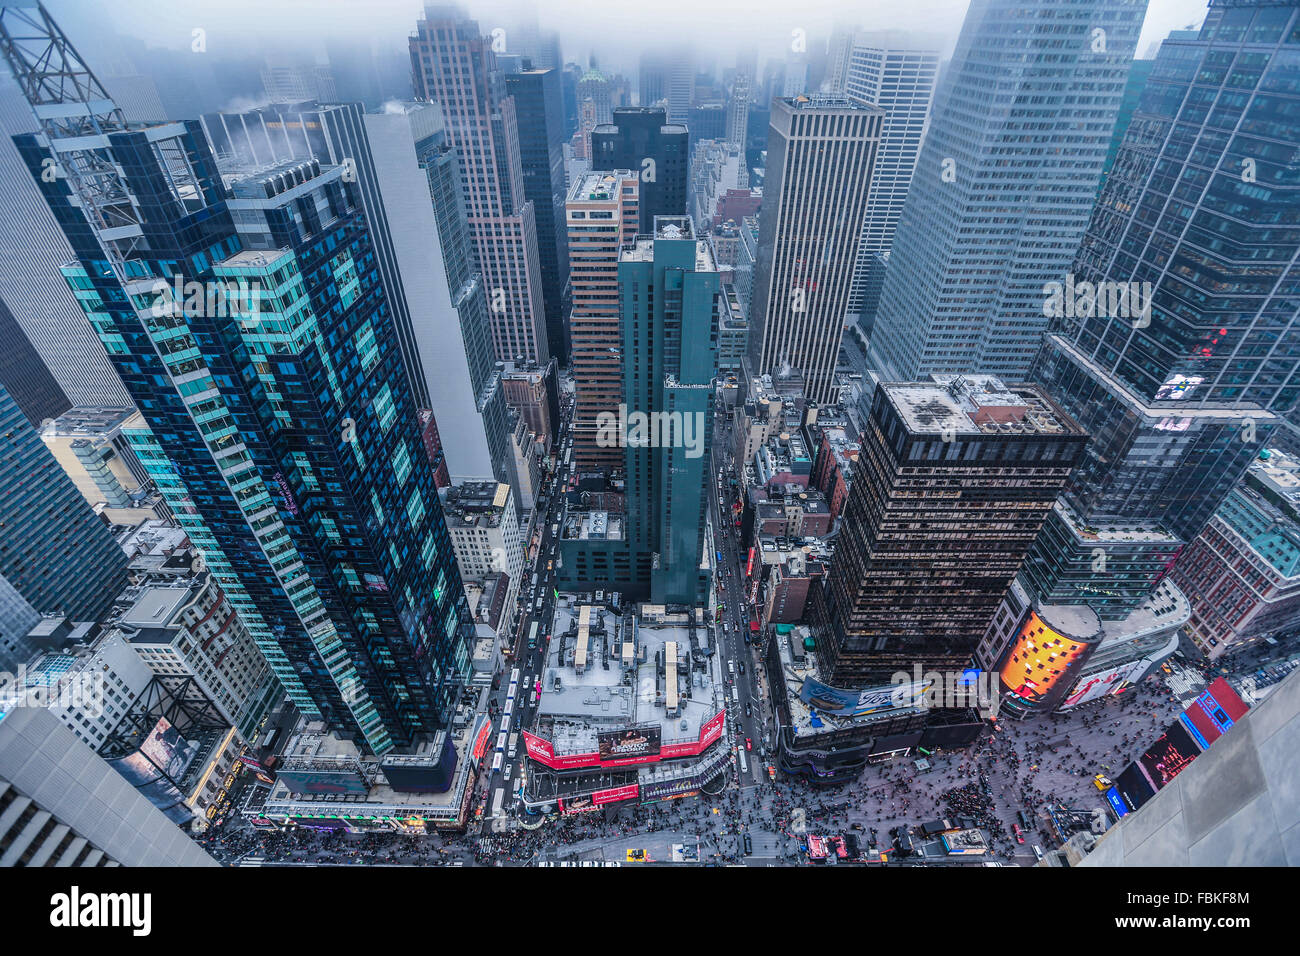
x,y
75,116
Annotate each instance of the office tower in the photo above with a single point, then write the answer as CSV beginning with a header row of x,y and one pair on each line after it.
x,y
469,296
335,135
839,54
1003,186
454,66
652,79
668,291
287,446
593,86
30,285
54,550
1181,394
61,804
899,81
1138,72
17,618
285,83
641,139
951,486
25,376
680,93
738,111
794,82
603,216
821,157
539,106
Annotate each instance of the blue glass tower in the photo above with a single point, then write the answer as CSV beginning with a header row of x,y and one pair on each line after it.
x,y
247,318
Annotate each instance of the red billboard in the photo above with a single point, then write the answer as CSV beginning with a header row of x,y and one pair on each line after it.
x,y
616,794
541,750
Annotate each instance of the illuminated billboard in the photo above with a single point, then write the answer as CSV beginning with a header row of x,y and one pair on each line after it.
x,y
162,758
314,781
1210,715
1169,756
1105,683
634,742
1040,665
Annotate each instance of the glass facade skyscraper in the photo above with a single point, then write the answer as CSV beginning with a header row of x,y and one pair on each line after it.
x,y
643,140
56,552
247,317
1201,204
1004,185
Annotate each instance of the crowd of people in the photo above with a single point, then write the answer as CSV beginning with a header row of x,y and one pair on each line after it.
x,y
1020,767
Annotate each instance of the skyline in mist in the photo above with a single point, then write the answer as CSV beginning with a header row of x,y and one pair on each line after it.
x,y
614,33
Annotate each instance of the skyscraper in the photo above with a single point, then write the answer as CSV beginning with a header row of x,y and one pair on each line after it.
x,y
821,160
652,548
1180,396
54,550
900,81
950,489
668,296
1004,184
253,330
379,152
25,376
539,104
30,283
453,65
602,212
641,139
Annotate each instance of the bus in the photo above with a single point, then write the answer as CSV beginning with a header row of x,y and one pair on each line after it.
x,y
496,763
505,723
532,636
719,559
513,746
501,742
514,676
496,801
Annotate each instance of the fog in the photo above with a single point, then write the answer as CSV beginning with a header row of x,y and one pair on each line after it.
x,y
614,32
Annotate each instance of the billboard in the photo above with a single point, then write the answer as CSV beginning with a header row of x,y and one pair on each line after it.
x,y
634,742
1169,756
161,759
622,743
1104,683
615,794
670,789
1116,801
858,703
1134,787
1208,717
312,781
1041,664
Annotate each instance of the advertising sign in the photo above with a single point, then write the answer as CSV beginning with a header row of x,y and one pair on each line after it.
x,y
1116,801
1134,787
615,794
670,789
162,758
1210,715
1104,683
541,749
1169,756
857,703
633,742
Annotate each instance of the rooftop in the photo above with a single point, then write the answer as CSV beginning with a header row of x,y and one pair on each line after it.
x,y
976,405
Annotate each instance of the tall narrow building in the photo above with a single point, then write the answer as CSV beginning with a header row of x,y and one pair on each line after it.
x,y
246,315
56,552
453,65
539,104
1181,394
1004,185
820,166
643,140
649,544
900,81
603,215
952,485
378,150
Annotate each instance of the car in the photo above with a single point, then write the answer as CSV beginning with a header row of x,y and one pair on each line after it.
x,y
1101,782
742,667
748,708
749,744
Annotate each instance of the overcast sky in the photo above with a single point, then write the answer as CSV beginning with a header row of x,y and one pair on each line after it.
x,y
615,29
